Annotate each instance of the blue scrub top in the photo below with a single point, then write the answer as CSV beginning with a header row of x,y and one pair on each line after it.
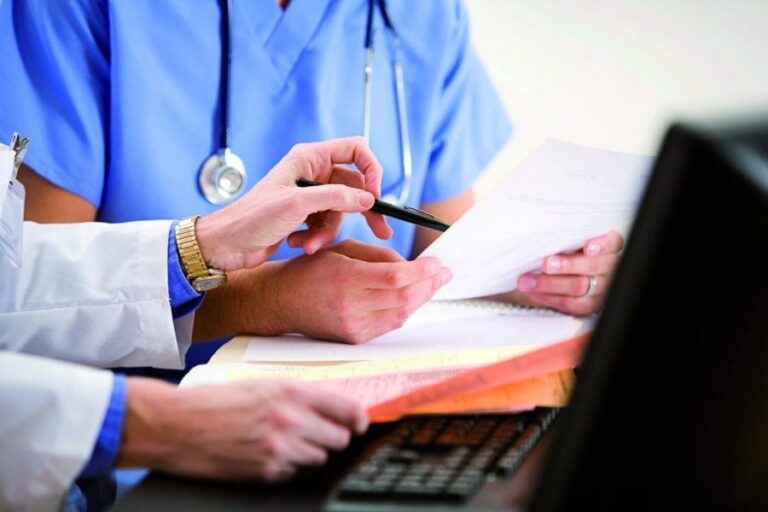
x,y
120,97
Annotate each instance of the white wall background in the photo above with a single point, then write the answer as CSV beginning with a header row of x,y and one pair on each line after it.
x,y
613,73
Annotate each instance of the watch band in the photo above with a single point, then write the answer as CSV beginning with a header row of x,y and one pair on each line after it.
x,y
198,274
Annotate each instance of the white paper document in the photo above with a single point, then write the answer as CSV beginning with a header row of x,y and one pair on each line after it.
x,y
560,196
434,329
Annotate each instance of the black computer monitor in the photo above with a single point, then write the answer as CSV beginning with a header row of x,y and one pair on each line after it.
x,y
671,406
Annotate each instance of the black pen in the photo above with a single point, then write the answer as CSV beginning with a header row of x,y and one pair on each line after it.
x,y
406,213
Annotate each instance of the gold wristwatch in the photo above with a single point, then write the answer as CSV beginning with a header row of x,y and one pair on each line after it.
x,y
198,274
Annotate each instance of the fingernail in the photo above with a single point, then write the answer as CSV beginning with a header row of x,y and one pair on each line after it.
x,y
365,200
434,266
554,264
362,425
312,247
526,283
445,275
593,249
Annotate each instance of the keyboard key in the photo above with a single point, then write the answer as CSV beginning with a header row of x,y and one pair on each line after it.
x,y
361,487
513,457
438,480
443,459
404,456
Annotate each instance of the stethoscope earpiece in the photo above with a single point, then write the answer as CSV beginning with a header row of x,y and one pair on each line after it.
x,y
222,177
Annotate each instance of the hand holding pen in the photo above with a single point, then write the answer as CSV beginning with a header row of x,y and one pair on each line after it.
x,y
406,213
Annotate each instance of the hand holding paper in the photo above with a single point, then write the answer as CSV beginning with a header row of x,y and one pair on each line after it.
x,y
574,282
558,198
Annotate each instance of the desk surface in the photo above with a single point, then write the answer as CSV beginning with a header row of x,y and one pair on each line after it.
x,y
303,494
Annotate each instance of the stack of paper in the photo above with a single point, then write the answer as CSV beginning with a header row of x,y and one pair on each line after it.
x,y
541,376
471,355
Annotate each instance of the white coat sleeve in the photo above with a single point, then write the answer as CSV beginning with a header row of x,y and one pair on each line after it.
x,y
95,294
51,416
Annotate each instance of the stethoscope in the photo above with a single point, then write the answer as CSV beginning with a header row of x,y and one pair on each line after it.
x,y
222,178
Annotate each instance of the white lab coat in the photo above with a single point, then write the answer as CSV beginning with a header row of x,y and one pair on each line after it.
x,y
51,415
90,293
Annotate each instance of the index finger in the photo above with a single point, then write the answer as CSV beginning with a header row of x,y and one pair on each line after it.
x,y
337,407
395,275
611,242
376,221
352,150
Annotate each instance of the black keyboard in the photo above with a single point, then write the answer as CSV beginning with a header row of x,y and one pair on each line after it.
x,y
441,458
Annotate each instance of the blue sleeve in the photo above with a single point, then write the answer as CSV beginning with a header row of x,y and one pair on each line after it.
x,y
55,70
471,125
184,298
108,442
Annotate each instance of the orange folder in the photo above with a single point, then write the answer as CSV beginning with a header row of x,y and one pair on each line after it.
x,y
471,384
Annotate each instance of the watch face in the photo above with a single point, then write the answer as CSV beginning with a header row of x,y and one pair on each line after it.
x,y
205,283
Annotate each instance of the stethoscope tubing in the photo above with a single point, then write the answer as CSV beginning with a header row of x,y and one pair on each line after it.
x,y
224,79
406,155
209,185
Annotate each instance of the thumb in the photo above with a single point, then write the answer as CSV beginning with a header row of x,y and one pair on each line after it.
x,y
335,197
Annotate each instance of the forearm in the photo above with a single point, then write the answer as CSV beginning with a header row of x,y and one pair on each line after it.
x,y
49,203
149,432
256,430
163,426
449,210
247,304
121,304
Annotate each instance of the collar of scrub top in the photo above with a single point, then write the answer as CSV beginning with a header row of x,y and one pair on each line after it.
x,y
406,157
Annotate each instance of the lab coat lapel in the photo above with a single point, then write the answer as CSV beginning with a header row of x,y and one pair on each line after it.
x,y
6,170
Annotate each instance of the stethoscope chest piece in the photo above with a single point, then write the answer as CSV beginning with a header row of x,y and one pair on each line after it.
x,y
222,177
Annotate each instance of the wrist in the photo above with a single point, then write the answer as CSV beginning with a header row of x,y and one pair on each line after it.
x,y
248,304
258,292
196,267
209,241
150,425
274,318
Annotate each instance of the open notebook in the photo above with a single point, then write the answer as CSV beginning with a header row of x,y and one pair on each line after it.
x,y
441,341
438,327
520,378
